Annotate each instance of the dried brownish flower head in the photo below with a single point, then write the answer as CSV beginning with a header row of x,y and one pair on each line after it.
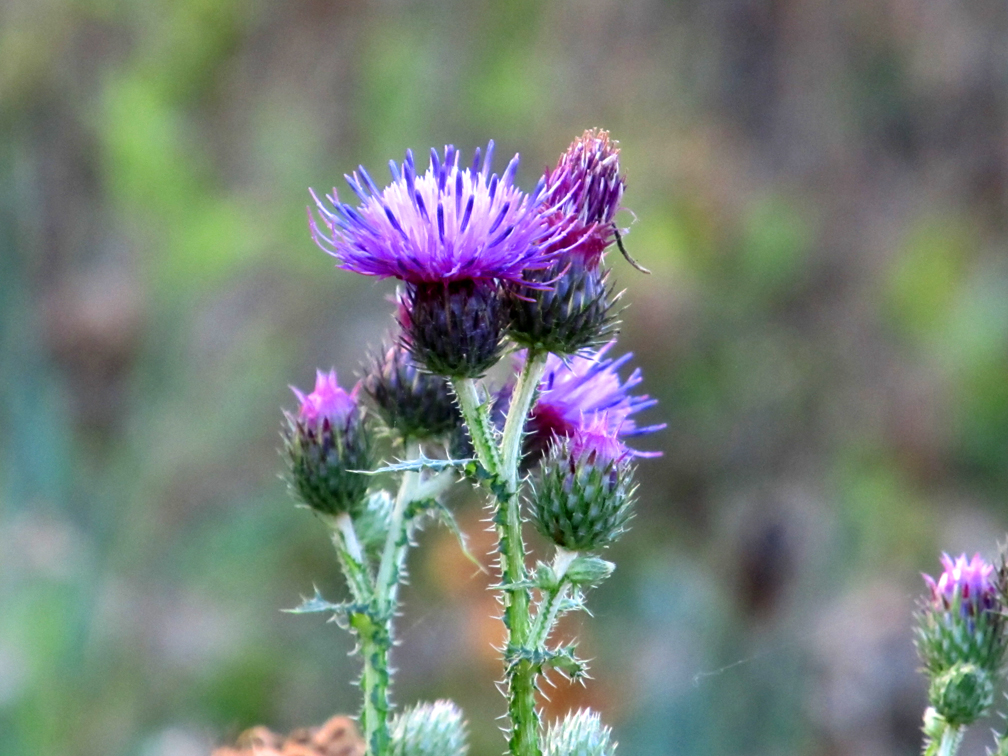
x,y
337,737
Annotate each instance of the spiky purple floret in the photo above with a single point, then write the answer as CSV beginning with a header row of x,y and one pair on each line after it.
x,y
575,391
972,580
585,188
597,440
327,402
447,224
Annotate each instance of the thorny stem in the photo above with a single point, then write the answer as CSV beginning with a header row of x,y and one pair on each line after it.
x,y
944,739
374,627
524,739
552,600
477,420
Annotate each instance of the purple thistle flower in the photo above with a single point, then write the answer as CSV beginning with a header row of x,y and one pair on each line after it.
x,y
327,402
585,187
447,224
597,441
973,581
576,392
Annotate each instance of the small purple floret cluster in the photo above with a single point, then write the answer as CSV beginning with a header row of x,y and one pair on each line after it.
x,y
327,402
585,391
970,580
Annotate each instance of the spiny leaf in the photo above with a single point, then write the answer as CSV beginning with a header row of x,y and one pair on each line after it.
x,y
422,462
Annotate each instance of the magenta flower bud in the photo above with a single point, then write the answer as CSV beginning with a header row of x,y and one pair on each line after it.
x,y
961,635
568,306
325,441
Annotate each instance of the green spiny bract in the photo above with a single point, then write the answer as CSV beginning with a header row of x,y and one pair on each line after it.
x,y
321,459
412,402
579,734
962,694
429,729
574,311
581,499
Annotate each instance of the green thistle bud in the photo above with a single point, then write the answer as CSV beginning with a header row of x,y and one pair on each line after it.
x,y
589,571
583,495
324,442
962,694
579,734
430,729
414,403
573,312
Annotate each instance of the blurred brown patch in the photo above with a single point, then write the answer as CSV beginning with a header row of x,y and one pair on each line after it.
x,y
337,737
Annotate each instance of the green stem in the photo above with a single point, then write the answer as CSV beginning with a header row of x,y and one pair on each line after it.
x,y
552,600
397,541
521,401
477,420
942,739
524,739
375,642
351,557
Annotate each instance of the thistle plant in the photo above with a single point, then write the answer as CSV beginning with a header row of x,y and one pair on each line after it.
x,y
961,641
484,269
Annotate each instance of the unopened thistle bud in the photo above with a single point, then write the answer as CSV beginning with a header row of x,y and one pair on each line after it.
x,y
454,329
412,402
579,734
324,442
961,636
584,492
568,307
430,729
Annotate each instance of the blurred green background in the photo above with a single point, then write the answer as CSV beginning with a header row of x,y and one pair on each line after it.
x,y
821,191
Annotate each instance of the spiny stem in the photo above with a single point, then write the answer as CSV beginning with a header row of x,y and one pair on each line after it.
x,y
524,739
397,540
477,420
351,557
549,605
521,402
375,642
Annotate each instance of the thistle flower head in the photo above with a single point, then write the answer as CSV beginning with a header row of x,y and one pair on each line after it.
x,y
579,734
581,389
429,729
449,223
961,635
586,187
583,494
327,402
413,403
970,581
325,441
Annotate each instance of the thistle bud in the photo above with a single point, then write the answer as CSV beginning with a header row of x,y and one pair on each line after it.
x,y
961,621
962,694
324,441
584,491
579,734
567,307
961,636
453,329
412,402
436,729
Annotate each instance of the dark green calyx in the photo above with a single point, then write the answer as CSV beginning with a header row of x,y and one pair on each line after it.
x,y
321,458
962,694
576,311
412,402
453,329
947,636
582,501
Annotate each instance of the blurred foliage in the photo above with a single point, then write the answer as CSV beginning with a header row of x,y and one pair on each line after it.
x,y
820,191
